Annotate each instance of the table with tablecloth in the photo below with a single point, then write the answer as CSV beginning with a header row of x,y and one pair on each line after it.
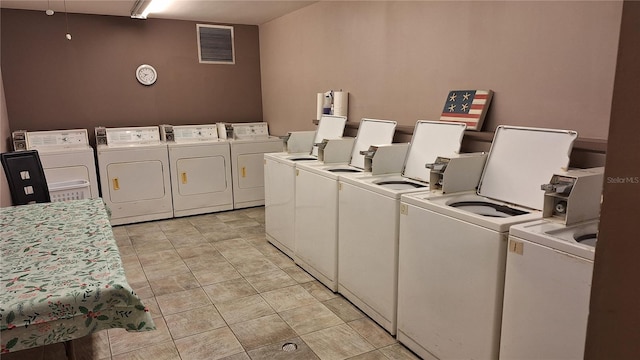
x,y
61,275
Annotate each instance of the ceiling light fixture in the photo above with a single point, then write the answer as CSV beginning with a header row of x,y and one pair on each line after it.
x,y
49,11
139,9
66,20
142,8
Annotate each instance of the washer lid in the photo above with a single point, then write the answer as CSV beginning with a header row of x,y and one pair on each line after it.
x,y
329,127
431,139
520,160
401,185
371,132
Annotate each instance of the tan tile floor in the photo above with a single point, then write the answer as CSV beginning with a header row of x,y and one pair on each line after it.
x,y
218,290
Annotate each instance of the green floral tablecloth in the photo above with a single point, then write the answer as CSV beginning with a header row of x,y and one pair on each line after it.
x,y
61,276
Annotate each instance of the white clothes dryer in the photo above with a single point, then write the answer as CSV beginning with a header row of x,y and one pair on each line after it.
x,y
547,290
249,144
134,174
316,204
200,165
279,184
368,225
452,249
68,161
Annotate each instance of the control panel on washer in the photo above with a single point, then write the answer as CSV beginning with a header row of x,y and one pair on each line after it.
x,y
250,130
195,133
127,136
58,139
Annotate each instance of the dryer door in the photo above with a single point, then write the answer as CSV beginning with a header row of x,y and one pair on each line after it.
x,y
201,175
135,181
251,170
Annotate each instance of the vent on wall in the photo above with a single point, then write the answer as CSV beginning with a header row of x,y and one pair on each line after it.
x,y
215,44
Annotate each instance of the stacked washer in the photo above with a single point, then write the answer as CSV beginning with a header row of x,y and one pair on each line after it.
x,y
279,172
67,159
200,165
369,208
134,174
452,248
249,143
316,204
548,272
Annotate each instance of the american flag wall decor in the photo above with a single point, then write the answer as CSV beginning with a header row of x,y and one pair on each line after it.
x,y
467,106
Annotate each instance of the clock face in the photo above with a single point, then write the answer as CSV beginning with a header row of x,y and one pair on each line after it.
x,y
146,74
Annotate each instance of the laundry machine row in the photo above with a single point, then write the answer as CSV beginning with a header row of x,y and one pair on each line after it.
x,y
233,172
451,243
280,173
321,192
159,172
316,203
369,215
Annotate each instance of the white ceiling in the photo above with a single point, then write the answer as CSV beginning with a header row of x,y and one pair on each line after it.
x,y
221,11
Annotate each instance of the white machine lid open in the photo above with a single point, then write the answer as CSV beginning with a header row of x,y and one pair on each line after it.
x,y
431,139
520,160
371,132
329,127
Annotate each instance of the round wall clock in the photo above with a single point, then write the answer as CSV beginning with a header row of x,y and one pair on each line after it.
x,y
146,74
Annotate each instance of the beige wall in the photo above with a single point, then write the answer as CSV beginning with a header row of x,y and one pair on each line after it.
x,y
5,196
551,64
53,83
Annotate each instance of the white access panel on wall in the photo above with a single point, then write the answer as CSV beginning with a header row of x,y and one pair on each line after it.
x,y
134,174
200,170
68,162
250,142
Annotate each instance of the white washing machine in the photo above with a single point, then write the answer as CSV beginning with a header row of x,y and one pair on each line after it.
x,y
279,184
68,161
452,249
200,165
249,143
548,271
368,225
134,174
547,290
316,204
